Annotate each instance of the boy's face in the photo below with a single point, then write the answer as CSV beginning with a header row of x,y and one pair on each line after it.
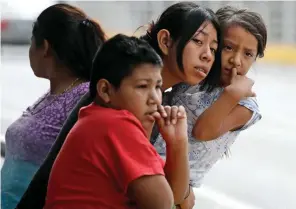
x,y
140,93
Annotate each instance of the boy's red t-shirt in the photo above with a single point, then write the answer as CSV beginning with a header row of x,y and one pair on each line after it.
x,y
104,152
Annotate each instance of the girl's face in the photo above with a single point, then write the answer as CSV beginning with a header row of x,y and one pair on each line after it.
x,y
239,51
198,56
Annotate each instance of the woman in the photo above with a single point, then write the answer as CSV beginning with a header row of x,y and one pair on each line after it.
x,y
216,118
63,44
187,38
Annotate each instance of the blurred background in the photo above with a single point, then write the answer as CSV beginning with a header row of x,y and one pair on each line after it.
x,y
261,171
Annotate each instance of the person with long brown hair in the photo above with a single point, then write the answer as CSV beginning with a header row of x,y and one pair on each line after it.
x,y
64,41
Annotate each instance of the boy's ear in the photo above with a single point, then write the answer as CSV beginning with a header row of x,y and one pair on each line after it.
x,y
104,90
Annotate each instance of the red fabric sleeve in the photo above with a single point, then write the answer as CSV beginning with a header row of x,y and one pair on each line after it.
x,y
128,153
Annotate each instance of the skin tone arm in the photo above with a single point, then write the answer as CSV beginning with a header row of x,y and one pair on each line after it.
x,y
143,191
174,132
225,114
157,191
177,170
189,202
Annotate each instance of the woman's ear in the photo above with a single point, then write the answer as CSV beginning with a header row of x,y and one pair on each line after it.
x,y
164,41
46,48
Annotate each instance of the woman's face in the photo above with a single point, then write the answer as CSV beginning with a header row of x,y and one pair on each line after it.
x,y
34,57
37,57
198,55
239,51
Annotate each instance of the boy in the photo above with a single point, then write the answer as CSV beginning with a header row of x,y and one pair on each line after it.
x,y
107,160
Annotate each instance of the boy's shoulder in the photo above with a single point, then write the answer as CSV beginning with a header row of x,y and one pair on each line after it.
x,y
108,116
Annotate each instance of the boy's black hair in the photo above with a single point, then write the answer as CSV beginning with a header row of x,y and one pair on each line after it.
x,y
118,57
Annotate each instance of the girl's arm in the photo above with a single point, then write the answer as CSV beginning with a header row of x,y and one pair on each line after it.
x,y
225,114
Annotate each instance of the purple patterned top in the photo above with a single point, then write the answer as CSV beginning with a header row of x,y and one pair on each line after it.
x,y
31,136
29,139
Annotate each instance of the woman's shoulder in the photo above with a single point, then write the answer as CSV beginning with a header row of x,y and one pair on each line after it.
x,y
78,90
68,100
75,93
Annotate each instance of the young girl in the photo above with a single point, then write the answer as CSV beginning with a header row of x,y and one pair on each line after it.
x,y
63,43
187,38
107,160
216,118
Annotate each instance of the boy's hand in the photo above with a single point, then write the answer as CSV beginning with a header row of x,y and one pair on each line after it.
x,y
172,124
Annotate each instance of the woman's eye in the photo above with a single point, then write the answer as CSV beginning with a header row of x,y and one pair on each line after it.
x,y
213,50
228,48
197,41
